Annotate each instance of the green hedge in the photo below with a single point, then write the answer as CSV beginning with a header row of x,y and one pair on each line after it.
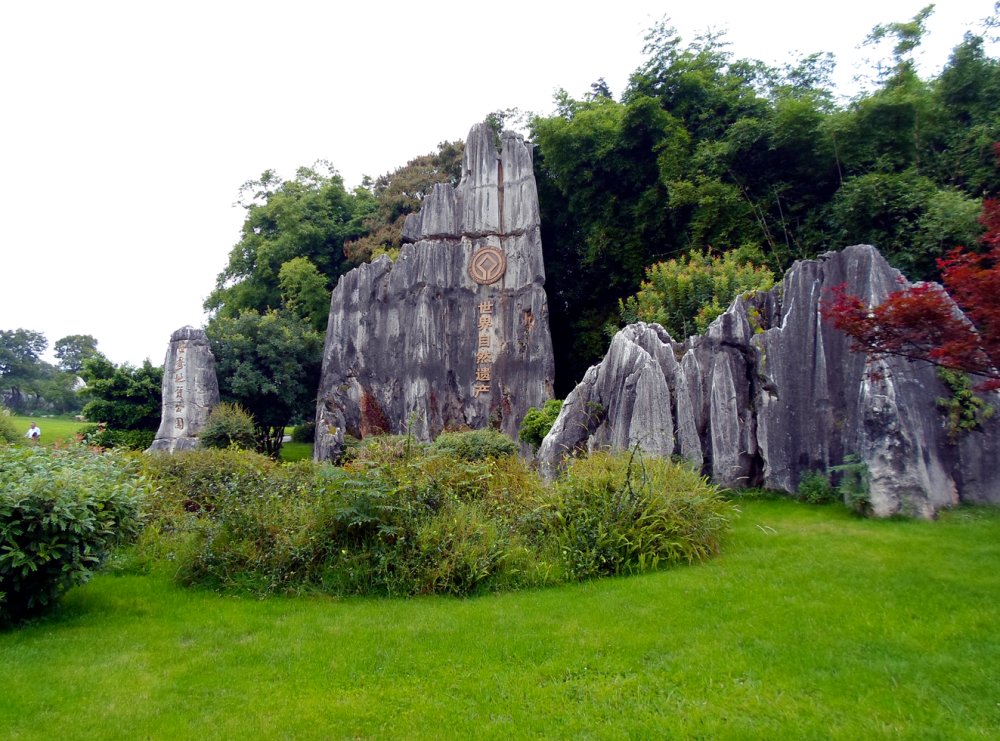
x,y
476,445
60,512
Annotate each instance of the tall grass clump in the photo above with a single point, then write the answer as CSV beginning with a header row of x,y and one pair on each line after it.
x,y
61,511
621,513
401,519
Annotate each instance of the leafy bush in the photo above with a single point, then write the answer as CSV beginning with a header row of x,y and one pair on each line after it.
x,y
60,512
304,433
614,514
409,520
685,296
228,425
102,437
8,430
110,438
815,488
477,445
537,423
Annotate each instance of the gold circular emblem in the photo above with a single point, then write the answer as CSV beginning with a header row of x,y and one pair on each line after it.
x,y
487,266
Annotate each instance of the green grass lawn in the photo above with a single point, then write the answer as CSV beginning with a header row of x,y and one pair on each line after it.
x,y
812,625
291,452
62,427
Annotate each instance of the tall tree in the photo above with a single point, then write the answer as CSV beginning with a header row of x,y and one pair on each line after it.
x,y
73,349
20,357
270,364
309,217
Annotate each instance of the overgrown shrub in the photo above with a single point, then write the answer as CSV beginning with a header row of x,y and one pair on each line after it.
x,y
406,519
228,425
124,439
815,488
304,433
537,423
8,430
619,513
477,445
60,512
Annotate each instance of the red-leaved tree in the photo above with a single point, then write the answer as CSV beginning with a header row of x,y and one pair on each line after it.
x,y
921,322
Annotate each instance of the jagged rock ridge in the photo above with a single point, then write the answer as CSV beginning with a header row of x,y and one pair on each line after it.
x,y
406,346
771,391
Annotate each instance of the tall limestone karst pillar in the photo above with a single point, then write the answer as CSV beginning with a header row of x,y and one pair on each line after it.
x,y
456,331
190,390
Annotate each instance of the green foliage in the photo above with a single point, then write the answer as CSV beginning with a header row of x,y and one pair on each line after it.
x,y
400,520
384,203
854,487
815,488
310,218
476,445
704,148
614,514
964,410
304,291
124,397
537,423
73,349
112,438
304,433
8,430
228,425
60,512
20,356
270,364
685,296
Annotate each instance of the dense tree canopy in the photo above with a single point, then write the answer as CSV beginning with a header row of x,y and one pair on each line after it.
x,y
73,349
123,397
704,151
269,363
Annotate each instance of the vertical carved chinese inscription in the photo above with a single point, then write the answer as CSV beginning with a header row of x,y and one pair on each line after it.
x,y
180,381
484,354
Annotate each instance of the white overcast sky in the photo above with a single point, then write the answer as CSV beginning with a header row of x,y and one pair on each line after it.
x,y
127,128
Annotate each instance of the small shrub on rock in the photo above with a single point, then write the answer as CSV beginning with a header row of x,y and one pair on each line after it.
x,y
228,425
477,445
60,513
537,423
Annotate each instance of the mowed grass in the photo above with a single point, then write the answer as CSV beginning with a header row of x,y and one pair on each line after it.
x,y
62,427
291,452
812,625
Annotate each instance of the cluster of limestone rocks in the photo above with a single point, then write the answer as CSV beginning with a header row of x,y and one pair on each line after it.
x,y
772,390
454,334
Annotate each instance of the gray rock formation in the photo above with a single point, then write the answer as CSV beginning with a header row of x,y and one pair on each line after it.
x,y
190,390
772,391
455,332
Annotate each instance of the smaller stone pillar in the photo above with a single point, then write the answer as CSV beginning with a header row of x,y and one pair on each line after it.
x,y
190,390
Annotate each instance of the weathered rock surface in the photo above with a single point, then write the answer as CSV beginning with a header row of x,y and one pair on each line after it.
x,y
772,391
190,390
409,342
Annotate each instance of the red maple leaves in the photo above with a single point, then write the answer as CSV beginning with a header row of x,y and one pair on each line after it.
x,y
923,323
